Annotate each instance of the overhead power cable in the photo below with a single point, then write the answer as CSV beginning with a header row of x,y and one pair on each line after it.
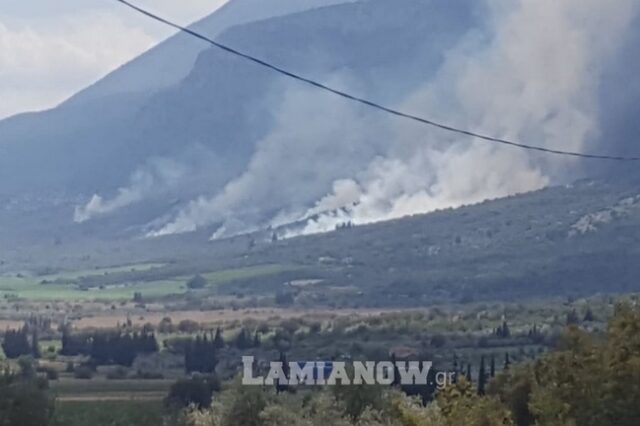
x,y
367,102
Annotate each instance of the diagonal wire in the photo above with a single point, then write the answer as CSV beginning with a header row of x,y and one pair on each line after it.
x,y
369,103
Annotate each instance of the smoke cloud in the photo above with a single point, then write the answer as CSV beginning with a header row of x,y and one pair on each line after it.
x,y
532,77
158,173
185,174
313,144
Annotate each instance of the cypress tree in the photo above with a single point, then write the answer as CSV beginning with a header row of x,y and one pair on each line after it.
x,y
492,367
188,357
65,342
396,372
455,368
572,318
35,344
200,355
281,387
218,340
506,333
482,377
16,343
588,316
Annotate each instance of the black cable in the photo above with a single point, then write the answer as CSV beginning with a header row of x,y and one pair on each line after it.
x,y
367,102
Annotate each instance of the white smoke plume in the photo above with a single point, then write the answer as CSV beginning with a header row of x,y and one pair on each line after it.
x,y
313,144
535,82
156,174
183,174
533,78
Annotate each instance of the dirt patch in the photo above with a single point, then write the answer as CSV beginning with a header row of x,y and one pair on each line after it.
x,y
10,324
226,315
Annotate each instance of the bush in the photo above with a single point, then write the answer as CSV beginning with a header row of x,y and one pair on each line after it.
x,y
188,326
196,391
166,326
83,372
16,344
50,372
315,328
149,375
24,402
284,298
27,367
118,373
290,325
197,282
438,341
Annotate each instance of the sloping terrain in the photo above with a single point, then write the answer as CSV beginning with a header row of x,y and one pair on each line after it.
x,y
207,125
150,150
577,239
171,61
572,240
223,102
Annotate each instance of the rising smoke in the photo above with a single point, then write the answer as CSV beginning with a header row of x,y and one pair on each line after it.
x,y
156,173
157,177
533,78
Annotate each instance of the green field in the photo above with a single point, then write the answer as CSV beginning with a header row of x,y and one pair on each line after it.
x,y
227,276
32,289
112,413
71,275
104,389
62,286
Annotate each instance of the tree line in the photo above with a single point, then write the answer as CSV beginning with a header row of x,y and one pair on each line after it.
x,y
109,347
17,343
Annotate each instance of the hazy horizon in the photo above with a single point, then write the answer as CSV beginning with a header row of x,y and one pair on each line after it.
x,y
51,51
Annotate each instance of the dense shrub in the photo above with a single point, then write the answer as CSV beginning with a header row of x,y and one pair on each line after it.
x,y
197,391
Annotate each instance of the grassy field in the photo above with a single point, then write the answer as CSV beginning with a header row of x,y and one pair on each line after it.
x,y
62,286
32,289
110,390
71,275
112,413
228,276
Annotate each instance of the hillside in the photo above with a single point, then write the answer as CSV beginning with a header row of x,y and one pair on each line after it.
x,y
172,60
100,123
239,149
573,240
180,142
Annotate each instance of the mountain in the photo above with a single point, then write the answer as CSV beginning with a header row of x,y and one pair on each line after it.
x,y
62,148
574,240
189,137
579,239
172,60
207,124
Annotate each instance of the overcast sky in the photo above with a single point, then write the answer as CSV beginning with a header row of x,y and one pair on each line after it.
x,y
51,49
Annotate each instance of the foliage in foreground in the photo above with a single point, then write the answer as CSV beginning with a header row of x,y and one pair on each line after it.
x,y
24,399
587,381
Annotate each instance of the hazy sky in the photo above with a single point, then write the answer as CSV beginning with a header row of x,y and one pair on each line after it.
x,y
51,49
